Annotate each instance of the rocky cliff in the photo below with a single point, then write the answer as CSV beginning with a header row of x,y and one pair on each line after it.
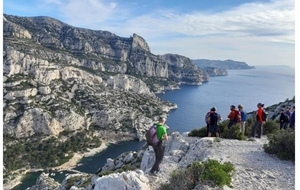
x,y
63,78
214,71
226,64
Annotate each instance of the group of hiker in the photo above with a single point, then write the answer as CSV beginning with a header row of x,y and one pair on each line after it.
x,y
287,118
158,132
238,116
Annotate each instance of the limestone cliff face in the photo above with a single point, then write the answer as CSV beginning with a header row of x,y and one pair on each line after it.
x,y
214,71
226,64
62,78
183,70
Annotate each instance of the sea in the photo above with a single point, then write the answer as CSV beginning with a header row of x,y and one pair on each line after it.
x,y
268,85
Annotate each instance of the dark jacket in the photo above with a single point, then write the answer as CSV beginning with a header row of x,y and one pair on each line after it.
x,y
283,118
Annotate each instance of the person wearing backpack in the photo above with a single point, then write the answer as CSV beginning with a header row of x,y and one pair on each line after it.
x,y
283,119
231,116
161,133
207,121
261,117
289,114
243,118
214,118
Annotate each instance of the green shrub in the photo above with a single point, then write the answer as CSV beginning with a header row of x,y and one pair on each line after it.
x,y
217,173
282,144
198,132
232,133
210,172
223,126
184,179
270,127
177,182
248,126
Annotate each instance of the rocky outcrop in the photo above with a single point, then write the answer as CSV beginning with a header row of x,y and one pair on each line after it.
x,y
184,71
274,110
250,161
44,182
226,64
214,71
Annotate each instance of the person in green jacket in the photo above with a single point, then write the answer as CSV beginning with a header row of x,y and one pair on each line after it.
x,y
159,148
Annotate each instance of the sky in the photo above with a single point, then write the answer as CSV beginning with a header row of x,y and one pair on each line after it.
x,y
256,32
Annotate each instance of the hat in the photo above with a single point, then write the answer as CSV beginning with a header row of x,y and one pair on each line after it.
x,y
260,104
213,109
232,106
240,106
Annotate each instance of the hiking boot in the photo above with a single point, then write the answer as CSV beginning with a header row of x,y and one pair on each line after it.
x,y
258,137
153,173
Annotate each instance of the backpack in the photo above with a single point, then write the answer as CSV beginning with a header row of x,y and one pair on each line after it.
x,y
244,115
265,115
207,118
151,136
237,116
286,117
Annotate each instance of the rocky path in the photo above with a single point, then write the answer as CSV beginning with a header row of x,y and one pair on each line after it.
x,y
254,169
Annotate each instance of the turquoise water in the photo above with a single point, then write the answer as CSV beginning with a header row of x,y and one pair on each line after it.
x,y
89,164
248,87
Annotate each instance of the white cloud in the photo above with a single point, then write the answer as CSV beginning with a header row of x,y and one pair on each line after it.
x,y
249,32
87,13
251,19
274,19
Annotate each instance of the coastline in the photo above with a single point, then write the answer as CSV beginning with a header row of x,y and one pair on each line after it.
x,y
66,166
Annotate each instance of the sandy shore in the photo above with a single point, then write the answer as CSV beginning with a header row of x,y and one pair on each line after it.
x,y
77,157
18,175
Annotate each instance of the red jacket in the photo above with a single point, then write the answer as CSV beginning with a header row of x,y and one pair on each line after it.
x,y
260,115
231,115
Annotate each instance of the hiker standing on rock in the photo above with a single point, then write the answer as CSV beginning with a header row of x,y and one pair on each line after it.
x,y
159,148
260,120
283,119
231,116
213,122
207,120
243,118
289,114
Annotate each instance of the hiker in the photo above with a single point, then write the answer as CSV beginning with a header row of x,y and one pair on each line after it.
x,y
207,120
231,116
159,148
283,119
260,120
288,113
214,118
292,119
243,118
